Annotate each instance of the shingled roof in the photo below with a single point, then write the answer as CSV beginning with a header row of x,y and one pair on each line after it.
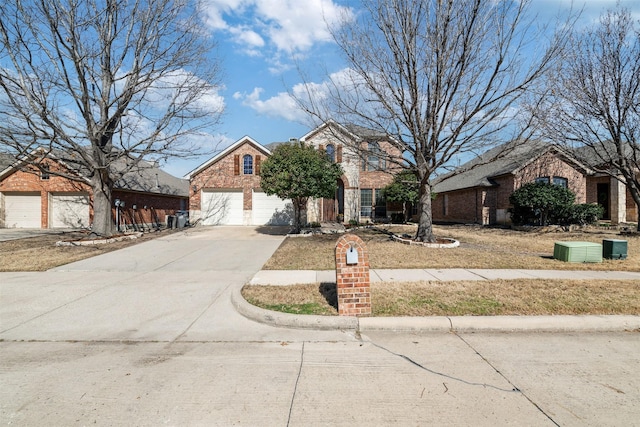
x,y
501,160
146,177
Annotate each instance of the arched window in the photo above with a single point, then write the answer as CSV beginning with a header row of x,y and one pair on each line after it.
x,y
247,162
331,152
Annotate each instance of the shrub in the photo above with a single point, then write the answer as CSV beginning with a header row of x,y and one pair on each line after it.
x,y
397,218
541,204
585,214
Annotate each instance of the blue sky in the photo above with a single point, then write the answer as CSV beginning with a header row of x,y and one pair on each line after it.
x,y
262,42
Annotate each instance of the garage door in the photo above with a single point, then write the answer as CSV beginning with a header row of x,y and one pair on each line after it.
x,y
222,207
70,211
22,210
271,210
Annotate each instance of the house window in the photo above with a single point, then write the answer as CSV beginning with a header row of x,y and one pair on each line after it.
x,y
366,202
563,182
556,180
44,172
247,162
380,210
373,161
542,180
331,152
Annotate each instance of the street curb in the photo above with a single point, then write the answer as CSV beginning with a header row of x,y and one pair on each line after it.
x,y
286,320
608,323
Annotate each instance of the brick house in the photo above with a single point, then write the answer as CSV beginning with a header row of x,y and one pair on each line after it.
x,y
34,198
367,170
478,191
225,190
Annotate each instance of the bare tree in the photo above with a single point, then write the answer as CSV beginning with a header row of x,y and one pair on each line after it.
x,y
102,85
441,77
594,104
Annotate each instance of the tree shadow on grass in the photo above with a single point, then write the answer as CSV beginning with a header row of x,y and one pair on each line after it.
x,y
329,291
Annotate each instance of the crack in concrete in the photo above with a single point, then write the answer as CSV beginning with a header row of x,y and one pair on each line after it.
x,y
515,388
295,387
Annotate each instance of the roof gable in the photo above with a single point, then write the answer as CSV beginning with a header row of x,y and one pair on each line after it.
x,y
505,159
244,140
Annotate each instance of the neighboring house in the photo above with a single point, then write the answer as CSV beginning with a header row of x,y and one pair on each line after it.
x,y
225,190
367,171
478,191
33,198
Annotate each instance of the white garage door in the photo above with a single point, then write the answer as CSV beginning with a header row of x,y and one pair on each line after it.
x,y
70,211
271,210
22,210
222,207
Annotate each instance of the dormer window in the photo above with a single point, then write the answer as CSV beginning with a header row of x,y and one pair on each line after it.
x,y
247,162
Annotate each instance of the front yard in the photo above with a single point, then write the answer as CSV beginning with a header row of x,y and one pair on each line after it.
x,y
479,248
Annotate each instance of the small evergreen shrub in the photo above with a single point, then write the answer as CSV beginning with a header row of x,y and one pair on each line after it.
x,y
541,204
585,214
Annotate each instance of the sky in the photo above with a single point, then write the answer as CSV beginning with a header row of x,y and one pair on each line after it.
x,y
262,45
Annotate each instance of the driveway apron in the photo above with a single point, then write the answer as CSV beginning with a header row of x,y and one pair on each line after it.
x,y
172,288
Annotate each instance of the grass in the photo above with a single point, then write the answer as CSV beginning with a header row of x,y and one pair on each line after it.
x,y
462,298
40,253
480,247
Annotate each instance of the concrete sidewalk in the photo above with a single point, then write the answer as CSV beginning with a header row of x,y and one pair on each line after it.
x,y
290,277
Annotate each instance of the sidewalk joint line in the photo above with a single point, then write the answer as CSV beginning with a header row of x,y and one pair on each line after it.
x,y
201,313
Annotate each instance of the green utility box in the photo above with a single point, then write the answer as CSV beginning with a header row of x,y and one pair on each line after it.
x,y
578,251
614,249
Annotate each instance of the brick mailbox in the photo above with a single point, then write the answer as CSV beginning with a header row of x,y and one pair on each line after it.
x,y
352,277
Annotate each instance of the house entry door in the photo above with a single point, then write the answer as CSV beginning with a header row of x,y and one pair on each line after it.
x,y
603,199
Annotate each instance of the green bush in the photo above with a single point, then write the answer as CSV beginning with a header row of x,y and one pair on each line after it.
x,y
538,203
585,214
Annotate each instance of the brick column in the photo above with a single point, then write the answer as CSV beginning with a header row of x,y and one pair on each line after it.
x,y
352,279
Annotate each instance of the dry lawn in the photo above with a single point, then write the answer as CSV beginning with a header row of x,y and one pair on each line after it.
x,y
500,297
480,247
41,253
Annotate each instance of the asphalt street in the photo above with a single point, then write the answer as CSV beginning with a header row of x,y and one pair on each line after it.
x,y
149,335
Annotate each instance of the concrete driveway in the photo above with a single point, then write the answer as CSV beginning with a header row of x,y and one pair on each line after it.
x,y
147,336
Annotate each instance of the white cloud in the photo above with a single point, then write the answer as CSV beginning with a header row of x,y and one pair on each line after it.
x,y
286,106
288,26
282,105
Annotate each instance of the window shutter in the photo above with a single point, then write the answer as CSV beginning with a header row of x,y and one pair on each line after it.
x,y
321,147
257,168
236,164
339,154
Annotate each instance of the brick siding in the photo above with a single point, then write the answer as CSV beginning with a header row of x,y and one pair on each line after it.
x,y
352,281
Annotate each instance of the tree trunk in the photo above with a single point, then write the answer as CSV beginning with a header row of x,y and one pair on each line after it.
x,y
635,195
298,204
102,218
425,221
